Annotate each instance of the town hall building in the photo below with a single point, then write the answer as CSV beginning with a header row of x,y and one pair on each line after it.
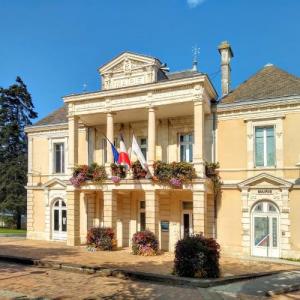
x,y
251,131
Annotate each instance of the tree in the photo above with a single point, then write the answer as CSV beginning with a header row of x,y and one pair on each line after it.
x,y
16,112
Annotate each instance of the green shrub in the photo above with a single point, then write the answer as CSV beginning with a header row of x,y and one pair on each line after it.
x,y
174,174
101,238
144,243
197,256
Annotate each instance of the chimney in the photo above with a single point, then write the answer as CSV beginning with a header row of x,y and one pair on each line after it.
x,y
226,55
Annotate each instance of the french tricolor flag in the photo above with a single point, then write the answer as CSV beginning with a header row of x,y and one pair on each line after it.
x,y
123,155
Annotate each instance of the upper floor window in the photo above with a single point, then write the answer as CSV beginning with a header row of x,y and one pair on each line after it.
x,y
143,145
59,157
265,146
186,147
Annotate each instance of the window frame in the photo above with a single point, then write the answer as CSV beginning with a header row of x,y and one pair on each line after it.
x,y
62,158
185,143
140,211
253,121
143,146
63,138
265,146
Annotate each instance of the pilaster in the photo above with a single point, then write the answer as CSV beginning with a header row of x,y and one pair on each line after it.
x,y
73,225
198,137
152,211
73,142
110,209
199,209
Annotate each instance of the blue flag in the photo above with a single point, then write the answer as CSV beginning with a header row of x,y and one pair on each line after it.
x,y
115,153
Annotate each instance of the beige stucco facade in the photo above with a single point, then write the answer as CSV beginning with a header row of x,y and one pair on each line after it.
x,y
133,100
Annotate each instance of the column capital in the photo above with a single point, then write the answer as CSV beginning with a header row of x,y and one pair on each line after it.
x,y
152,108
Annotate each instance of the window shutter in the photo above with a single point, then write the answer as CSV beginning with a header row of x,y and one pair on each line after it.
x,y
270,146
259,147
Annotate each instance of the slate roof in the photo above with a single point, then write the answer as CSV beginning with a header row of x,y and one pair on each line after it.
x,y
269,82
182,74
57,117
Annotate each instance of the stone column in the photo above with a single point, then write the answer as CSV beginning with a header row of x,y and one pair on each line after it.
x,y
73,142
110,136
151,138
110,210
199,209
151,211
198,138
73,218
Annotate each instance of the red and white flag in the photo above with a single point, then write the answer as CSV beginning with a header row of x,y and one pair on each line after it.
x,y
123,155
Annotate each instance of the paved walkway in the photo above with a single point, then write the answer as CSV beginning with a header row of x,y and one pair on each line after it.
x,y
31,282
122,259
259,286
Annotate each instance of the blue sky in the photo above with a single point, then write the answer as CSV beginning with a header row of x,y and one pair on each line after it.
x,y
57,45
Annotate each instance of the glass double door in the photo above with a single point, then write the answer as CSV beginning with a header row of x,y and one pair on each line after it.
x,y
265,235
59,220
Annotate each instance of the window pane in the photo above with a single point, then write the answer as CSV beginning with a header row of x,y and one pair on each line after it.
x,y
259,147
186,147
261,231
56,220
274,231
64,220
270,146
186,225
142,204
59,158
182,153
143,221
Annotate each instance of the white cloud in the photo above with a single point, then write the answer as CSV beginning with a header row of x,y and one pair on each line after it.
x,y
194,3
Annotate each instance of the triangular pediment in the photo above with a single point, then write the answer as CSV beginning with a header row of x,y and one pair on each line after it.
x,y
265,180
55,183
129,69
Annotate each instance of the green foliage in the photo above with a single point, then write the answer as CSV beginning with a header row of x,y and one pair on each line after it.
x,y
144,243
197,256
118,170
211,170
137,170
175,173
101,238
16,112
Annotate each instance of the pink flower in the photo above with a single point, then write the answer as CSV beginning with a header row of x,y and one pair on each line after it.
x,y
115,179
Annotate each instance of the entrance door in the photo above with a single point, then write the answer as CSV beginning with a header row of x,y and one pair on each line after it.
x,y
59,220
187,223
265,228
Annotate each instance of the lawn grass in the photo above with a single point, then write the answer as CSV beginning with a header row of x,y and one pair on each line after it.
x,y
12,231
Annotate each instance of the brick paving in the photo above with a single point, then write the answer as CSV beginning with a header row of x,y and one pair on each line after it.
x,y
31,282
123,259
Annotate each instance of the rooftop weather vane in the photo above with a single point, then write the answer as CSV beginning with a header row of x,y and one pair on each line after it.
x,y
196,52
